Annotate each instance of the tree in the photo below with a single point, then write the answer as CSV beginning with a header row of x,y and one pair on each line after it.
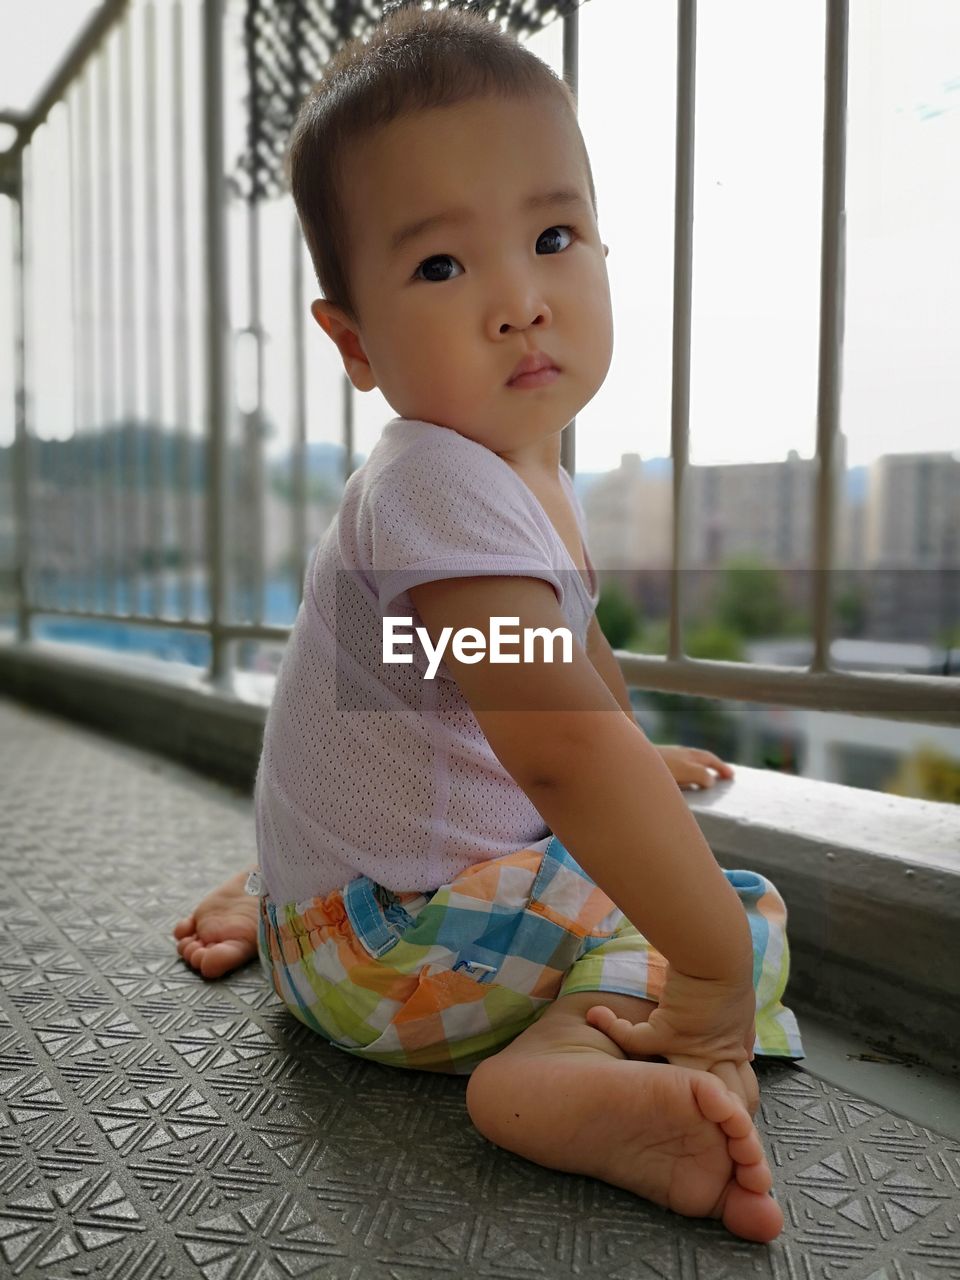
x,y
850,607
619,619
750,599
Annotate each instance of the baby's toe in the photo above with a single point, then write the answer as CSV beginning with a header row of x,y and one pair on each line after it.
x,y
720,1105
746,1150
755,1177
220,957
188,948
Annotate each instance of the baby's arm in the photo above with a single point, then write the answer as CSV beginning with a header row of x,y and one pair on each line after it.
x,y
614,804
596,780
606,666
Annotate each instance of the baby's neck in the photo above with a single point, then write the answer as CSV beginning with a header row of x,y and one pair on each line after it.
x,y
541,460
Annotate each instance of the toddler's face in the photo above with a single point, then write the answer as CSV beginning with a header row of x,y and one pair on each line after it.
x,y
445,317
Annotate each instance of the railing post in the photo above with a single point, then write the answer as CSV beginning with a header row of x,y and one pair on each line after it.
x,y
571,74
832,272
183,328
253,429
21,469
218,329
346,423
299,397
682,292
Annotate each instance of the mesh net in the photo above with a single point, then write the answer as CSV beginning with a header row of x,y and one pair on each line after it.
x,y
288,42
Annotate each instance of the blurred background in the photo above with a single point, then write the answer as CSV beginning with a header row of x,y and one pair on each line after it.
x,y
175,432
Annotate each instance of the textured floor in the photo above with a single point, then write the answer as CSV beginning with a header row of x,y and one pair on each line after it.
x,y
153,1124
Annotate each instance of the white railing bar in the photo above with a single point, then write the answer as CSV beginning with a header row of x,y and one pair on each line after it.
x,y
38,530
84,49
921,698
90,339
346,423
79,302
571,74
91,82
218,319
34,580
249,525
21,470
65,556
181,311
156,347
832,289
682,291
298,513
78,327
107,327
129,488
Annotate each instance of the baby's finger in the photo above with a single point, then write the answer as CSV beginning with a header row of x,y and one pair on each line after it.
x,y
731,1077
707,757
751,1087
631,1037
747,1089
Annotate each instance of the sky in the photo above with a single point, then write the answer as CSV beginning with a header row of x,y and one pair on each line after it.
x,y
756,236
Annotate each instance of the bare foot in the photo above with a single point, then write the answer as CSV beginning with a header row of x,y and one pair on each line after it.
x,y
672,1135
221,933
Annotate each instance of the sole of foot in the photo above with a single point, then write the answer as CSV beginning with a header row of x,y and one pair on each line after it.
x,y
670,1134
220,934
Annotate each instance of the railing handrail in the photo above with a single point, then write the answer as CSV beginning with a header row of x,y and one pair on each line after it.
x,y
86,44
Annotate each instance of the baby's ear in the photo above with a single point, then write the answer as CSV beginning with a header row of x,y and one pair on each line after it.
x,y
345,334
606,250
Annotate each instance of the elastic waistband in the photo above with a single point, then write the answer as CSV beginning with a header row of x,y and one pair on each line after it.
x,y
379,916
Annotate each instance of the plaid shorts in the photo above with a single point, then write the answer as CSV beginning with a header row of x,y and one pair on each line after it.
x,y
441,980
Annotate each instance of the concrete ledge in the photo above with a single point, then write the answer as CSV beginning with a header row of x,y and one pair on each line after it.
x,y
872,887
167,707
871,882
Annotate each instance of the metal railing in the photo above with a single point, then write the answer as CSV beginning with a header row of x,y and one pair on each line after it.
x,y
89,84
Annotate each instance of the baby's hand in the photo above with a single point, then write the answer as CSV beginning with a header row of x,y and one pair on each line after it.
x,y
690,766
701,1023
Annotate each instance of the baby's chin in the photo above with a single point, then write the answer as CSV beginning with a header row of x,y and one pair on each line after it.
x,y
524,419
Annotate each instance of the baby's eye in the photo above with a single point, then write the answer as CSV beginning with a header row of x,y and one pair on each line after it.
x,y
551,231
427,263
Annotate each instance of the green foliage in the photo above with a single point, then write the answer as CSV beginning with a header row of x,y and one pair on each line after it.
x,y
850,607
618,617
750,599
654,639
714,640
709,639
690,721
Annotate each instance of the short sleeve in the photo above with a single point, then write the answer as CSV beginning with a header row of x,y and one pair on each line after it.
x,y
452,509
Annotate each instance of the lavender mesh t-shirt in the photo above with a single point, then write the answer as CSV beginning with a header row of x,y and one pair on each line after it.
x,y
367,768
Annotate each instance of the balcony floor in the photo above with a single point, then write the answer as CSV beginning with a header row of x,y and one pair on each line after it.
x,y
154,1124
